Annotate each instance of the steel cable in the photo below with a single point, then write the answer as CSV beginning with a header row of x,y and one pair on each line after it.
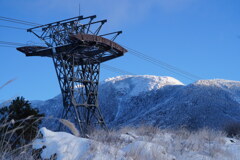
x,y
164,65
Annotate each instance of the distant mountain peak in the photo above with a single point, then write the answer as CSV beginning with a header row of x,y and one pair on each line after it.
x,y
136,84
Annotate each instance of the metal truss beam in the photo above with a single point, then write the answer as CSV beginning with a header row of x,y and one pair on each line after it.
x,y
79,86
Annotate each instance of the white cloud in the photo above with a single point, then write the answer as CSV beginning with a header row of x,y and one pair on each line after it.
x,y
175,5
132,11
119,12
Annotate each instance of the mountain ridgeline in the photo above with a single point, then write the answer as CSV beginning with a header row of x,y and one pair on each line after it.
x,y
162,102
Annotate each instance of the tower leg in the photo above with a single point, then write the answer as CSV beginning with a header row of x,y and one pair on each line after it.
x,y
79,86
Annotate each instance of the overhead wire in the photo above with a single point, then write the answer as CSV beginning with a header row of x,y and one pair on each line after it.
x,y
7,46
11,43
21,44
12,27
161,64
116,70
13,20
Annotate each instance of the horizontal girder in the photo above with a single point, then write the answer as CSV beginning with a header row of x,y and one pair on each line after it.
x,y
83,46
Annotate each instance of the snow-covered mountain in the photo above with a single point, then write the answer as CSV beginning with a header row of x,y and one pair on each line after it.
x,y
162,102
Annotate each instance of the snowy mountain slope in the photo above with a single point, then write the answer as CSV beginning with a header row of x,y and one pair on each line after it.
x,y
205,103
52,109
117,96
162,101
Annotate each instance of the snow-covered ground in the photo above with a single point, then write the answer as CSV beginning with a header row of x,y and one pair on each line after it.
x,y
143,143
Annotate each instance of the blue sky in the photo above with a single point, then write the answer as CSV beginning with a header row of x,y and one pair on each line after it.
x,y
198,36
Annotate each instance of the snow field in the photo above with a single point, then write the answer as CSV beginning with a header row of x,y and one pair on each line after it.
x,y
139,143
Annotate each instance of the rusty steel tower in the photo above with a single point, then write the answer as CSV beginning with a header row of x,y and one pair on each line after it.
x,y
77,50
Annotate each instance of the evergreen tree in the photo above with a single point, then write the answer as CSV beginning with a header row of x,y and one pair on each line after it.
x,y
19,122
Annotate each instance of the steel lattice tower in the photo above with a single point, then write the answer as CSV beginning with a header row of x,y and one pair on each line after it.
x,y
77,51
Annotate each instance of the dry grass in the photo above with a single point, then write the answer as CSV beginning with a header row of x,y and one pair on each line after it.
x,y
24,151
70,126
8,82
179,143
8,137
